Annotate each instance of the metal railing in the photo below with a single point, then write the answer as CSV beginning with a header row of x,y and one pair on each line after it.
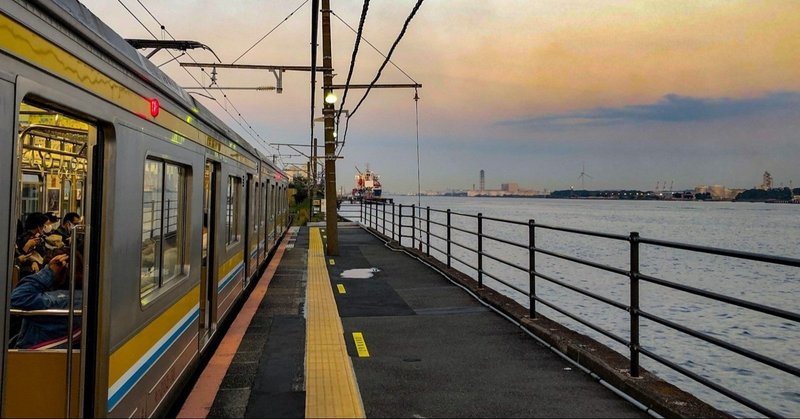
x,y
410,224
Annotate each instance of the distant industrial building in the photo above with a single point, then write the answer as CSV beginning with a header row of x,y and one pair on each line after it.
x,y
506,189
509,187
766,184
718,192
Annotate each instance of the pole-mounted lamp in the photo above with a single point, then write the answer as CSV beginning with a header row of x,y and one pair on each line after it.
x,y
330,97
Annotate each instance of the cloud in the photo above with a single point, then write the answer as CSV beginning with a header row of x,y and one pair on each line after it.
x,y
671,108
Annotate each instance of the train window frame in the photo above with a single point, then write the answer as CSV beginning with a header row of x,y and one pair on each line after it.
x,y
233,209
163,283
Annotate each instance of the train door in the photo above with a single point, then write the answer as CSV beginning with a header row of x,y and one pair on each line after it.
x,y
208,281
262,199
51,334
248,218
274,214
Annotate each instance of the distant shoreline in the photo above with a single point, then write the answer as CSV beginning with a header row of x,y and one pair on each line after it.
x,y
604,198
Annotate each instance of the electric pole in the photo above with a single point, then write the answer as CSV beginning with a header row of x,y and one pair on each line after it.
x,y
328,112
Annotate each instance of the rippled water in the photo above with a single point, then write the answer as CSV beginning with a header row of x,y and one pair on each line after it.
x,y
752,227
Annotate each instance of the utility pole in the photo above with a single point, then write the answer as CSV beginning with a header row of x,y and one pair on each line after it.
x,y
313,174
328,111
312,163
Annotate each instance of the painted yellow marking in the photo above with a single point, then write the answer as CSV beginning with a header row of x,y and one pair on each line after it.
x,y
331,387
361,345
340,287
332,262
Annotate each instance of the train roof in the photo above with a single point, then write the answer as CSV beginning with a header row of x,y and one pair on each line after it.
x,y
81,20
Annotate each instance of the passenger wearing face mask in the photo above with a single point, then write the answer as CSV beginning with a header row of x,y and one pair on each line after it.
x,y
51,223
65,229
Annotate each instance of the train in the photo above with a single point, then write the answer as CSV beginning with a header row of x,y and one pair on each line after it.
x,y
179,215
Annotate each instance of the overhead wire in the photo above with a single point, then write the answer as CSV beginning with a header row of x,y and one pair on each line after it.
x,y
389,55
254,134
419,188
270,32
387,59
364,10
373,46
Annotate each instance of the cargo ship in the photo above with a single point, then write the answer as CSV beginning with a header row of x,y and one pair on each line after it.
x,y
367,185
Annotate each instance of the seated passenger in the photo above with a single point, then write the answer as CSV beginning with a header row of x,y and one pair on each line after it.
x,y
51,224
30,244
70,220
53,245
47,289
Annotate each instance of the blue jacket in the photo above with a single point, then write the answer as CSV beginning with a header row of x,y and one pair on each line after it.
x,y
34,293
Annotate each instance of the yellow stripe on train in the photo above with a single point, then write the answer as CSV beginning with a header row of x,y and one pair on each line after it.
x,y
126,357
229,265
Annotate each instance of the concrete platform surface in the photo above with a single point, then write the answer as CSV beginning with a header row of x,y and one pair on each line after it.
x,y
419,346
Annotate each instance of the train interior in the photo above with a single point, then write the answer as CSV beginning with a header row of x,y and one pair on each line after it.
x,y
52,170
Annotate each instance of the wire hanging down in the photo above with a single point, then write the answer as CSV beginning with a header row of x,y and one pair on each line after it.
x,y
419,188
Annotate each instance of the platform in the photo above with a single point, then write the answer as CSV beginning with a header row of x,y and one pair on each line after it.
x,y
405,342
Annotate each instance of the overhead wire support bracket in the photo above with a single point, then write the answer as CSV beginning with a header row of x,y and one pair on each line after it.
x,y
276,70
259,88
376,86
159,44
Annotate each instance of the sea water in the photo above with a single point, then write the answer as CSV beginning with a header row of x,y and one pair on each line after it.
x,y
771,229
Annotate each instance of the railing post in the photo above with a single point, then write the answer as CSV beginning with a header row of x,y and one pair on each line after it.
x,y
413,227
480,250
392,223
400,225
383,205
448,238
532,267
361,211
634,309
428,231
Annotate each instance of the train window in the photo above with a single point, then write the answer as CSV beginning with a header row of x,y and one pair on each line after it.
x,y
163,220
232,210
31,193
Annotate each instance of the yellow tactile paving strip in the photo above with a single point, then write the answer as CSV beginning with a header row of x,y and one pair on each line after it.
x,y
331,387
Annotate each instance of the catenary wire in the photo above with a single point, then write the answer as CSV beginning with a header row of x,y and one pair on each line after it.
x,y
257,137
389,55
270,32
364,10
378,75
373,46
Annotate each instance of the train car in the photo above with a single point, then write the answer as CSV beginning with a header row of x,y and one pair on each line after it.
x,y
176,215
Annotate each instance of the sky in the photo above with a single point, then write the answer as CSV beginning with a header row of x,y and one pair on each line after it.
x,y
683,92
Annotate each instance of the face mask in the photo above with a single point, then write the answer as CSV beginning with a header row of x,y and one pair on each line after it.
x,y
48,228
